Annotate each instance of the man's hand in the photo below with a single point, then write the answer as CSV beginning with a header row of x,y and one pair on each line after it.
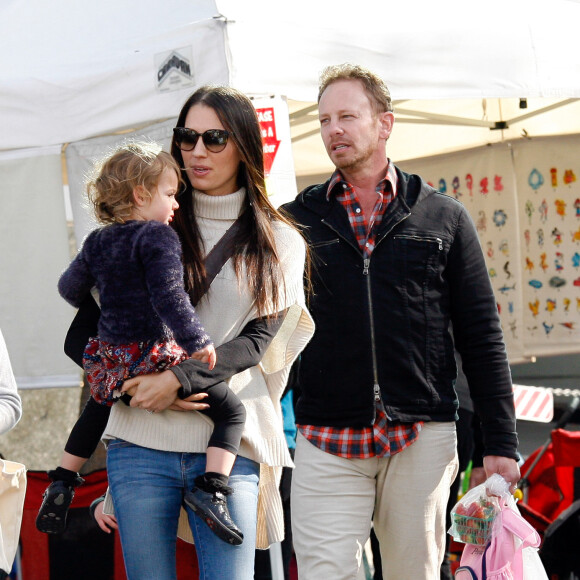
x,y
505,466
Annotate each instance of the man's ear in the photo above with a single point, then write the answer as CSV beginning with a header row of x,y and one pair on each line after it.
x,y
387,120
139,196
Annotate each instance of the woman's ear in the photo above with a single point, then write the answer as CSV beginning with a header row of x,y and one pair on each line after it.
x,y
139,196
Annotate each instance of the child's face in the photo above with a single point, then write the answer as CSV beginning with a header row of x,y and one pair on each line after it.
x,y
162,204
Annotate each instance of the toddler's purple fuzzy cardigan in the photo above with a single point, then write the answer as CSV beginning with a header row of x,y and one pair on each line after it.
x,y
137,270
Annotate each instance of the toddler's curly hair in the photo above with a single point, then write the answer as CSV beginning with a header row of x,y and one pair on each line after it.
x,y
132,164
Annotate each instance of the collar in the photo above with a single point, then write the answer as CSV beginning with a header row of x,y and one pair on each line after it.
x,y
389,179
219,207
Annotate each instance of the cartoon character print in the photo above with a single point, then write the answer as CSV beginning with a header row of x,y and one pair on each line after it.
x,y
543,209
569,176
469,183
560,207
529,209
481,223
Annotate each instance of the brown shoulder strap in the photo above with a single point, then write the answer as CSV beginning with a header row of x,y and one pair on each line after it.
x,y
221,253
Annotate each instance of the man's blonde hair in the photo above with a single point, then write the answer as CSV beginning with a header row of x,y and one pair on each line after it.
x,y
374,86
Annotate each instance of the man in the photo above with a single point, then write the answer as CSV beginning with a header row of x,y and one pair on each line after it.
x,y
394,262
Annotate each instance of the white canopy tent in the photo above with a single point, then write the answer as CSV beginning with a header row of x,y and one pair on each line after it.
x,y
74,70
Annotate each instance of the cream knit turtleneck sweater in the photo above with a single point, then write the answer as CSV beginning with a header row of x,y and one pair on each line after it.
x,y
224,311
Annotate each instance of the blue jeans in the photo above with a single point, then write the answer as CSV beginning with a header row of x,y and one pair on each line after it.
x,y
148,486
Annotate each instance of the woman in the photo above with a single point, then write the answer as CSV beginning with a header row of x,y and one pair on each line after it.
x,y
254,311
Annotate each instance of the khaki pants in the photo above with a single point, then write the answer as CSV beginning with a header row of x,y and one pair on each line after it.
x,y
334,500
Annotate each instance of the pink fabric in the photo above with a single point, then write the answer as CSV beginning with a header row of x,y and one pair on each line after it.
x,y
502,558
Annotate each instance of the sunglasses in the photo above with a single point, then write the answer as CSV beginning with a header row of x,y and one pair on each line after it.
x,y
214,140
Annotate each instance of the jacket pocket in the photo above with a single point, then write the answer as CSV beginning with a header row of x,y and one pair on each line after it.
x,y
418,264
326,253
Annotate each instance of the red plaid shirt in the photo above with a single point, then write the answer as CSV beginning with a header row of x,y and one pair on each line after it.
x,y
382,439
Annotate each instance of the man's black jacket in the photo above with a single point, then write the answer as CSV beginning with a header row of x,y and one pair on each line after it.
x,y
382,325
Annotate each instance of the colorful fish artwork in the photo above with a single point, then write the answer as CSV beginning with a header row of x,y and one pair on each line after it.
x,y
505,288
557,282
568,325
535,284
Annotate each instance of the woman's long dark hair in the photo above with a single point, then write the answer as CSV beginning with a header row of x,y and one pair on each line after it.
x,y
254,244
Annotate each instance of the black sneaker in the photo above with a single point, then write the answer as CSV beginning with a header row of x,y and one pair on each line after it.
x,y
51,518
212,508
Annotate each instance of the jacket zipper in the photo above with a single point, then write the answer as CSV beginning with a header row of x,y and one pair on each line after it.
x,y
438,241
366,267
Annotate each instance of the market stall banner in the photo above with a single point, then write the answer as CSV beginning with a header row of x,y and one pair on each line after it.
x,y
525,202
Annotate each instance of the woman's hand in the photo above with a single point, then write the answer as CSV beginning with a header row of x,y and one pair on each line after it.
x,y
106,522
190,404
154,392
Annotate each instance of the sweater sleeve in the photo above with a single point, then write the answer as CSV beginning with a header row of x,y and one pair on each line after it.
x,y
10,403
77,280
235,356
160,251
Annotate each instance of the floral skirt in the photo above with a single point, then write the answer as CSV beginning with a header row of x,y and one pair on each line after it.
x,y
108,365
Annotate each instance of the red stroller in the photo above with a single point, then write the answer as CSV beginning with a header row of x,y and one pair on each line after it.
x,y
551,487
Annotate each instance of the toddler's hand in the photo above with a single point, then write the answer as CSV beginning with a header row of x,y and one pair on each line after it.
x,y
206,354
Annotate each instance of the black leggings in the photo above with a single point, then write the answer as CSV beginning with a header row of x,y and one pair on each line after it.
x,y
225,410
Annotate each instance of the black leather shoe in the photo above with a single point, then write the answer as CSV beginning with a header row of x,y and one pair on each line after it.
x,y
51,518
212,508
